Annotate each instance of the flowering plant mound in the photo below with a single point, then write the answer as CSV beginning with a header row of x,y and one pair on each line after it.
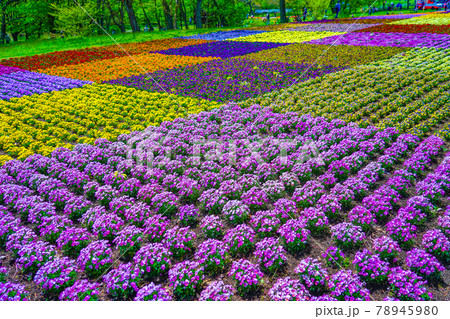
x,y
265,223
34,255
153,260
347,236
95,259
424,264
81,290
248,277
437,244
212,227
186,278
312,275
122,283
361,216
153,292
240,239
180,241
370,267
270,254
156,227
13,292
402,232
288,289
387,248
345,285
56,275
294,236
129,240
73,240
217,291
407,286
236,212
213,256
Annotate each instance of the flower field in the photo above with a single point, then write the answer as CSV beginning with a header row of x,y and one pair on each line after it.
x,y
291,162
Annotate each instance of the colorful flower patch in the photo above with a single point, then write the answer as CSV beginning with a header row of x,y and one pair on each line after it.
x,y
41,123
408,28
223,35
389,39
221,49
226,80
287,36
153,46
8,69
435,19
106,70
332,27
44,61
339,55
245,257
18,84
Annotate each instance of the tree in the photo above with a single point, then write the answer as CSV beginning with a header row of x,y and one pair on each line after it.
x,y
283,18
73,20
131,15
317,7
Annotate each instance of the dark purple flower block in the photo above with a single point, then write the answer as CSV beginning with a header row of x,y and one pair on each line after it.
x,y
226,80
222,49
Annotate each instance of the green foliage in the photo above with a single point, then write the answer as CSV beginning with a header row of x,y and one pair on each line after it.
x,y
75,21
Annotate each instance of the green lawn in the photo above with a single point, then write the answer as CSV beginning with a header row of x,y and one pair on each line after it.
x,y
34,47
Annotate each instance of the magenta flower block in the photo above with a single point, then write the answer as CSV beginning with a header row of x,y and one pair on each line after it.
x,y
424,264
371,268
128,241
294,236
34,255
271,255
347,236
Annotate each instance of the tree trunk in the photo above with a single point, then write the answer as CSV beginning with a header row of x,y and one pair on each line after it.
x,y
251,7
132,16
146,18
167,15
283,18
198,14
3,28
15,36
184,16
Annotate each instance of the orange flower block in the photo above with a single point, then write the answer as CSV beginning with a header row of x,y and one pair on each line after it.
x,y
152,46
117,68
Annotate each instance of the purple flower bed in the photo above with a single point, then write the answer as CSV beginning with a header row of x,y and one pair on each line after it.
x,y
226,80
333,27
222,49
19,84
223,35
9,69
421,40
274,235
393,16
